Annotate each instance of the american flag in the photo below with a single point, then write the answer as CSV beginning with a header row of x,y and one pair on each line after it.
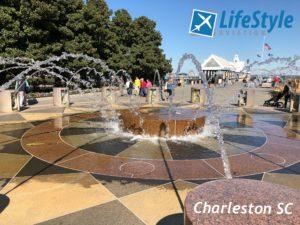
x,y
267,47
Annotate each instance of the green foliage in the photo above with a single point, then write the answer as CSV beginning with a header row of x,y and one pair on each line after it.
x,y
41,28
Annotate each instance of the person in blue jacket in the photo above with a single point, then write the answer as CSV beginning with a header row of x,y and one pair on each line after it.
x,y
21,88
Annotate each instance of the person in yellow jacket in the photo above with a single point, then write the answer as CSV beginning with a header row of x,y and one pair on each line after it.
x,y
137,86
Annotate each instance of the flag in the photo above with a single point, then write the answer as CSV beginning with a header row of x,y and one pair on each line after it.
x,y
267,47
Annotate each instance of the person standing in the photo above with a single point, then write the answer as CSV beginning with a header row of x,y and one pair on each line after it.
x,y
286,93
149,84
170,87
21,88
127,84
143,91
276,81
137,86
129,87
211,82
226,82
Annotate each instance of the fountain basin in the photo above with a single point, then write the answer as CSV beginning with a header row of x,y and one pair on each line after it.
x,y
162,122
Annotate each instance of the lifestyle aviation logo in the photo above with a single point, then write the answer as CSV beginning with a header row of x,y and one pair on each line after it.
x,y
203,23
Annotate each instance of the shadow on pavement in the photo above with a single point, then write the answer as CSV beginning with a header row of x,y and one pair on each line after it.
x,y
174,219
4,202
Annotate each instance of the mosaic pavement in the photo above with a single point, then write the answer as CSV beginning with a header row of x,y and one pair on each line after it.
x,y
67,171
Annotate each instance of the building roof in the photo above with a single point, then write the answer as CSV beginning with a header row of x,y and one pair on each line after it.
x,y
215,62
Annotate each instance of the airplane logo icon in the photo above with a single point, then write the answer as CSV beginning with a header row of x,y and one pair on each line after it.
x,y
203,23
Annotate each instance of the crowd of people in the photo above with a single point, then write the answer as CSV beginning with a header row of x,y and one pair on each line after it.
x,y
140,87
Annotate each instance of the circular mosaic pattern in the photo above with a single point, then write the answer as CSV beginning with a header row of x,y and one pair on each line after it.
x,y
95,136
82,142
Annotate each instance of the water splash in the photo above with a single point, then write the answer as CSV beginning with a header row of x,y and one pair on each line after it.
x,y
56,67
69,77
50,66
275,66
214,116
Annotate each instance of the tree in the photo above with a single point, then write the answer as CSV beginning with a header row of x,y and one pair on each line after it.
x,y
147,55
96,16
10,35
138,46
121,40
44,25
42,28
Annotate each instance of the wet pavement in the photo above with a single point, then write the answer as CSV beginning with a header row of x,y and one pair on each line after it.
x,y
70,170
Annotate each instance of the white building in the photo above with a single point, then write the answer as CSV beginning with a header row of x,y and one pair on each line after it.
x,y
222,68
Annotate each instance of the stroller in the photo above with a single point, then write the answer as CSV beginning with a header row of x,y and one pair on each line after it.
x,y
274,101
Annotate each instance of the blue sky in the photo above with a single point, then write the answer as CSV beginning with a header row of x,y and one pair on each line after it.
x,y
173,20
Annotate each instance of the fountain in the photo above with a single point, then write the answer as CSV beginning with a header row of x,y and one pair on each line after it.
x,y
243,191
93,77
50,67
287,66
213,115
166,122
160,141
160,123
